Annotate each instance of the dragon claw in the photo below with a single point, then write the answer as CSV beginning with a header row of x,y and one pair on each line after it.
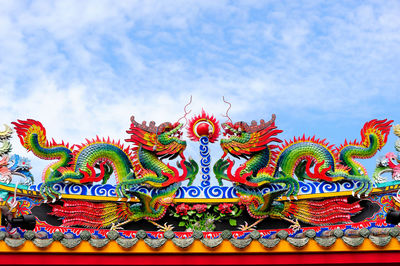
x,y
115,227
295,226
162,228
245,227
362,190
166,227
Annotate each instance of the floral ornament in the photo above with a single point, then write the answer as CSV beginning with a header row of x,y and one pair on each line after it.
x,y
225,208
199,208
182,209
203,217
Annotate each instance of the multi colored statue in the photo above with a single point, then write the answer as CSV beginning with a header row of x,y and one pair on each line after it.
x,y
390,163
267,184
13,165
95,161
305,158
140,164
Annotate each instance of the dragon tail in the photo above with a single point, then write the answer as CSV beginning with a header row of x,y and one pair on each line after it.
x,y
89,214
379,128
372,131
374,136
32,136
26,129
325,212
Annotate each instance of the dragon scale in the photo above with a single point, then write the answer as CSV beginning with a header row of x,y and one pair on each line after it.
x,y
132,165
304,158
294,153
298,157
150,161
76,166
257,162
87,157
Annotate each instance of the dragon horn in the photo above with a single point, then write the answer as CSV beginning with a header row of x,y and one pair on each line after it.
x,y
226,114
186,112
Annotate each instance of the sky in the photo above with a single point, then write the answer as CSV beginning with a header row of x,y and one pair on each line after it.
x,y
83,68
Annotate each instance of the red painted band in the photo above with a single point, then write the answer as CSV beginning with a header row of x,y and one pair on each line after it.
x,y
364,258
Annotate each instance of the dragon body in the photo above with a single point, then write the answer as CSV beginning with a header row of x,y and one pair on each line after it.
x,y
304,158
320,213
97,159
106,215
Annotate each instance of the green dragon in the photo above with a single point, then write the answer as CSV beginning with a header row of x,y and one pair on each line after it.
x,y
140,164
305,158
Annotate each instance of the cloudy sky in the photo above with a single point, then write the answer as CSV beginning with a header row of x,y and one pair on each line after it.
x,y
83,68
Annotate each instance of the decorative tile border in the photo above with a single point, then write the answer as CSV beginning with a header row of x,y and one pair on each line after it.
x,y
199,192
380,237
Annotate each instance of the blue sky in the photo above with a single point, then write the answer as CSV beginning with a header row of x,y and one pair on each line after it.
x,y
83,68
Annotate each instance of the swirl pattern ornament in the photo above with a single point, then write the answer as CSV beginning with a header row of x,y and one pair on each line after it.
x,y
60,187
215,192
211,192
103,190
192,192
208,192
348,185
329,187
76,189
205,129
205,162
307,188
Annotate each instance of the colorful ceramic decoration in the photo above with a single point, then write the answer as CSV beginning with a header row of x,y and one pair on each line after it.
x,y
262,188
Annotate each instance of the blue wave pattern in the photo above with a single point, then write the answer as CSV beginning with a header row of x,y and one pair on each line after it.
x,y
201,192
205,162
107,190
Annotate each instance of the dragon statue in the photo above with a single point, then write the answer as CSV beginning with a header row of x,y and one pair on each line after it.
x,y
114,215
306,158
13,165
390,163
97,159
4,139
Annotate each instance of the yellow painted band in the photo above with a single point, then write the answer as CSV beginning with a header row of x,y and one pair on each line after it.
x,y
198,200
234,200
198,247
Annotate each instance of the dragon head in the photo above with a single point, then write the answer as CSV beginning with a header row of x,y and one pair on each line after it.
x,y
243,140
169,133
164,140
392,159
237,132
